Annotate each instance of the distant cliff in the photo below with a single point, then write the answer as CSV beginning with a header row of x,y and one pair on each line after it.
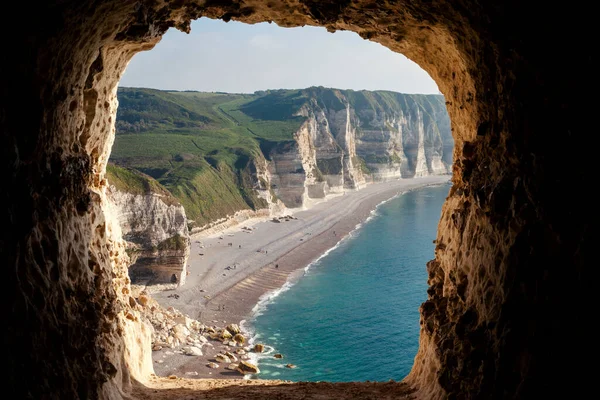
x,y
154,225
352,138
233,156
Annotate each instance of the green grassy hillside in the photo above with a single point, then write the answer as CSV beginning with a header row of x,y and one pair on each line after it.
x,y
131,181
200,146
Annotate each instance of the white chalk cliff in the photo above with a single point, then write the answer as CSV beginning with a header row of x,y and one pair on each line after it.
x,y
154,226
352,138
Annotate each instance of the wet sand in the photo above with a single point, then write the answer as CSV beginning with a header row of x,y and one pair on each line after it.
x,y
230,271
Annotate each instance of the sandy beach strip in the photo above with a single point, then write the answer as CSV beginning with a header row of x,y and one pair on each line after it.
x,y
230,272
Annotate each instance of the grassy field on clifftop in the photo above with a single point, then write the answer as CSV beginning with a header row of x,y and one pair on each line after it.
x,y
200,146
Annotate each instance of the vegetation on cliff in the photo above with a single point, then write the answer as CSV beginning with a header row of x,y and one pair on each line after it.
x,y
129,180
176,242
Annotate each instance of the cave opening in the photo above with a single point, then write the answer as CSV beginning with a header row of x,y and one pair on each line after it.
x,y
184,140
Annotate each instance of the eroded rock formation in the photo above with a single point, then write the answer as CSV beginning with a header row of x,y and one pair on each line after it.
x,y
510,299
351,138
155,229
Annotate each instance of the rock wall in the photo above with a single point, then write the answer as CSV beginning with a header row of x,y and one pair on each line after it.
x,y
511,297
155,228
352,138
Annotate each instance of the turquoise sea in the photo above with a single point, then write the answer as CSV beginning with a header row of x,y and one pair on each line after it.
x,y
354,315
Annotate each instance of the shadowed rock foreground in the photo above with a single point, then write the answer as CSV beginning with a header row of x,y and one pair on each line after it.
x,y
175,389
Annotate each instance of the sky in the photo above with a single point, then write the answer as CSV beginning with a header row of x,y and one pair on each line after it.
x,y
233,57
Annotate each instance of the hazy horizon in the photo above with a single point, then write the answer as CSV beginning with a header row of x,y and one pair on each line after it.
x,y
234,57
266,90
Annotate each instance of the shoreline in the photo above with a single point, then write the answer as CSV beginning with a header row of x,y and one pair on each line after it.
x,y
233,272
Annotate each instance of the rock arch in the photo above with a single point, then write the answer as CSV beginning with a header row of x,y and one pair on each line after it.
x,y
509,292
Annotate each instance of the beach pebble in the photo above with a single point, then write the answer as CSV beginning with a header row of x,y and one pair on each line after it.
x,y
240,352
195,373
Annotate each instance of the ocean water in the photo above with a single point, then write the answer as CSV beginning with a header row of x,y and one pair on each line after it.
x,y
354,315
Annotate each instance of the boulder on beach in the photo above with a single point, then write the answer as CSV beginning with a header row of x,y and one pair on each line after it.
x,y
290,366
246,368
143,299
180,332
233,329
278,355
239,338
212,365
233,366
222,358
225,334
191,351
259,348
231,356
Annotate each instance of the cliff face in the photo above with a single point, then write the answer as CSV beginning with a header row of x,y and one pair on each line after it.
x,y
154,226
351,138
277,149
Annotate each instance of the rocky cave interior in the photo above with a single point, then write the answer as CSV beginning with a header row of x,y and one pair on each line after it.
x,y
509,301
